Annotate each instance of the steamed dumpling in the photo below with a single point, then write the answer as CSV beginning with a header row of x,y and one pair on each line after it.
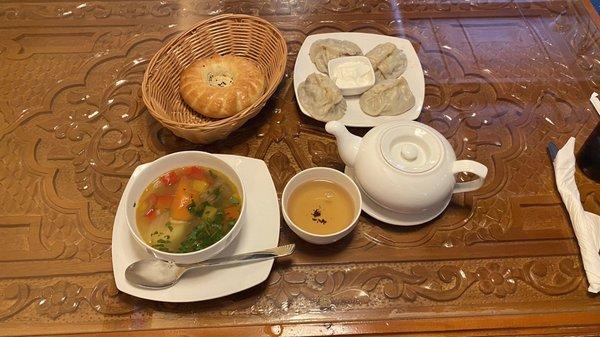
x,y
321,98
387,60
387,98
324,50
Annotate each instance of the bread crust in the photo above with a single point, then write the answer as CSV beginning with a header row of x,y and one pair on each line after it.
x,y
221,86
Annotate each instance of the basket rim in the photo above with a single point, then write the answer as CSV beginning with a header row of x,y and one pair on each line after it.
x,y
241,115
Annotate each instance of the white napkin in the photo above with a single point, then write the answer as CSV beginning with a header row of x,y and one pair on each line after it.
x,y
585,224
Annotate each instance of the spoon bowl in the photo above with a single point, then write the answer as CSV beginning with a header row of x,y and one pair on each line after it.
x,y
154,273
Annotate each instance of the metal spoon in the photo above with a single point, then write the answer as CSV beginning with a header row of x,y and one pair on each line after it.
x,y
157,274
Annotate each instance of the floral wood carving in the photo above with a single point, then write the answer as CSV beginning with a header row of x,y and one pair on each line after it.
x,y
502,79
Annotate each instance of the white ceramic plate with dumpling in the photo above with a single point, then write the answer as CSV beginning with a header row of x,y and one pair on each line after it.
x,y
354,116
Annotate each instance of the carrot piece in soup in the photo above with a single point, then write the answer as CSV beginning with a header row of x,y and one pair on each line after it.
x,y
182,199
164,201
232,212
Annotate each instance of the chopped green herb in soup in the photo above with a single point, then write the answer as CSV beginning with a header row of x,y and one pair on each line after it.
x,y
187,209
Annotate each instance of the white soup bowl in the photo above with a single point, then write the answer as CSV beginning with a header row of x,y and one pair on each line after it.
x,y
146,173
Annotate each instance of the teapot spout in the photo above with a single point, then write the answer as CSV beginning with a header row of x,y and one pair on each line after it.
x,y
347,143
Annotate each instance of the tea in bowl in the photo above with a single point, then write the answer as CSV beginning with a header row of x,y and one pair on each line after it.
x,y
321,205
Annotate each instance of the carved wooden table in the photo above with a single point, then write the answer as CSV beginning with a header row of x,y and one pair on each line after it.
x,y
503,78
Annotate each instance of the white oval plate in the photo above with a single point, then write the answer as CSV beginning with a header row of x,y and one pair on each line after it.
x,y
354,115
260,231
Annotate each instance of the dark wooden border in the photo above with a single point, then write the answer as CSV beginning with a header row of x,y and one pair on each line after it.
x,y
556,324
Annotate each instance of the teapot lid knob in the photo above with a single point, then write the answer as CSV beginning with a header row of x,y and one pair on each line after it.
x,y
411,147
409,152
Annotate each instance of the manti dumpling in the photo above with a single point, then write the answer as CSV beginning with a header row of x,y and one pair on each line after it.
x,y
387,98
322,51
321,98
387,60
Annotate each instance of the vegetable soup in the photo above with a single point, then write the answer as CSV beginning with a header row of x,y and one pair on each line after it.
x,y
187,209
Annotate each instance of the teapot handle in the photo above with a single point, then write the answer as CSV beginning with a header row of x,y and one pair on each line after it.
x,y
472,167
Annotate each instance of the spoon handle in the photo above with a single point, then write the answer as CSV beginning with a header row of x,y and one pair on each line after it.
x,y
252,256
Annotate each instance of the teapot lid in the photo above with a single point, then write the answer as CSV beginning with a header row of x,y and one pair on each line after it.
x,y
411,148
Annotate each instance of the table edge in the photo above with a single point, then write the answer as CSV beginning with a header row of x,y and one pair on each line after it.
x,y
575,323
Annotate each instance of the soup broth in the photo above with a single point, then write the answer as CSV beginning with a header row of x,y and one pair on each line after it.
x,y
187,209
321,207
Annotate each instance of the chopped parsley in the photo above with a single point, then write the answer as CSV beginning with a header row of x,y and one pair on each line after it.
x,y
216,192
162,244
197,210
206,233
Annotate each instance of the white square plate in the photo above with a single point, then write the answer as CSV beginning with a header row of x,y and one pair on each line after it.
x,y
260,231
354,115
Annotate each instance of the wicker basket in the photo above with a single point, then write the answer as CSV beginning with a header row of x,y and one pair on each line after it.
x,y
242,35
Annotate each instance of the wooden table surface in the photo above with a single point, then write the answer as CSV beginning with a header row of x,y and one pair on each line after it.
x,y
503,78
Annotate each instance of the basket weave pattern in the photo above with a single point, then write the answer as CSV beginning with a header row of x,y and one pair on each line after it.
x,y
237,34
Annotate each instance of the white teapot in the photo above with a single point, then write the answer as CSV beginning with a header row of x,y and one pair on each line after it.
x,y
406,167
